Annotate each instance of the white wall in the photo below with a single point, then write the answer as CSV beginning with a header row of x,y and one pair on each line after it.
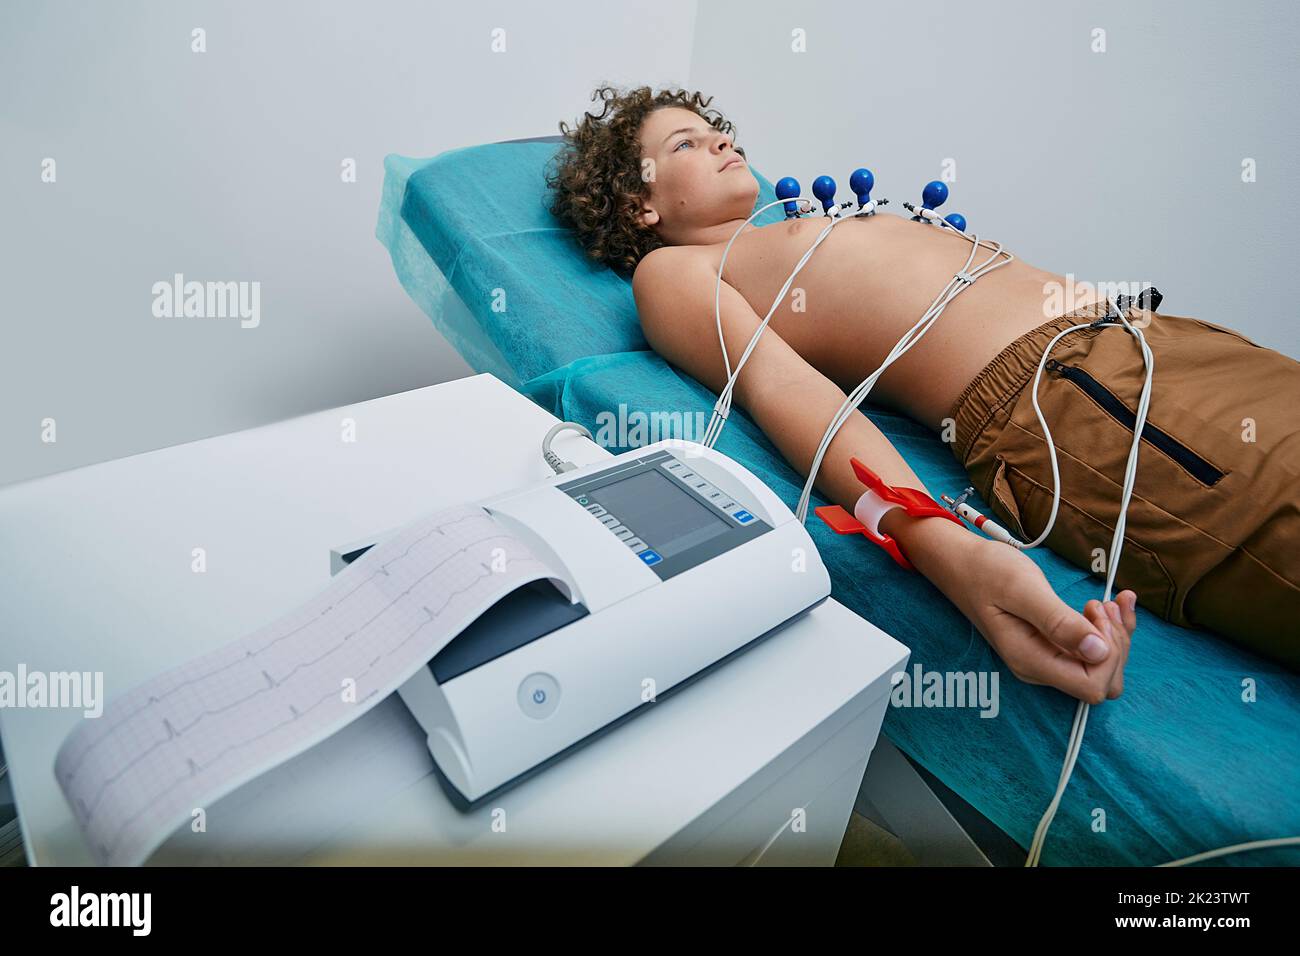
x,y
225,165
1122,166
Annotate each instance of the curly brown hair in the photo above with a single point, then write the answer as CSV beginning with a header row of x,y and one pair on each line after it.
x,y
597,183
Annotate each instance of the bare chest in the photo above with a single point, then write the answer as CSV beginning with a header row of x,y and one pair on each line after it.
x,y
869,282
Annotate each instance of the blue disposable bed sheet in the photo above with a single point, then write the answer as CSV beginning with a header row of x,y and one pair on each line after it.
x,y
1199,752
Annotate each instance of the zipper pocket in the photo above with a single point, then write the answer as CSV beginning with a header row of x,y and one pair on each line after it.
x,y
1188,460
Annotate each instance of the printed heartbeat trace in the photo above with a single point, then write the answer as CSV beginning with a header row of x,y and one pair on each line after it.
x,y
187,737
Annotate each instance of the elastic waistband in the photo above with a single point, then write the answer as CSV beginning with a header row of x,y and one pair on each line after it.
x,y
1011,370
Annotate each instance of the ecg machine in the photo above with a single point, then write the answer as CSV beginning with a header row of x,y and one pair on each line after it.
x,y
668,560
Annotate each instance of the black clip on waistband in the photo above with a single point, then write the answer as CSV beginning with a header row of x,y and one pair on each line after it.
x,y
1148,300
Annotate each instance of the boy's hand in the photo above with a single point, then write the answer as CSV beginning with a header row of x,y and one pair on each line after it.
x,y
1040,637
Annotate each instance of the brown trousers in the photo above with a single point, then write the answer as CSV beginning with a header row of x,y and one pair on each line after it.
x,y
1213,533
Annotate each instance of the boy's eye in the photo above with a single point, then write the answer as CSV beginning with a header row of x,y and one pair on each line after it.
x,y
680,145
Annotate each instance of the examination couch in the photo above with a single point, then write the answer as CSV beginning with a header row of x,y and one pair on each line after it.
x,y
1182,762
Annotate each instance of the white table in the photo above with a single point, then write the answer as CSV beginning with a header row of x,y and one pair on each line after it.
x,y
96,575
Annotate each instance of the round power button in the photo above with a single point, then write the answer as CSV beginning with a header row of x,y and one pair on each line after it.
x,y
539,695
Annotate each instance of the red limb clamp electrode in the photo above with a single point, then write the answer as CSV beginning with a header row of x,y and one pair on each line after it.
x,y
871,507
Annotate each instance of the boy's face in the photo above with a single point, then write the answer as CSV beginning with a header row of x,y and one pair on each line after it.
x,y
697,179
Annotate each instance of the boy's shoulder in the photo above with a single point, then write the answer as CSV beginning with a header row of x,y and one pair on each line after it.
x,y
673,287
670,269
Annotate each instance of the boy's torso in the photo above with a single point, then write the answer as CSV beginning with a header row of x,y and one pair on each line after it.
x,y
869,282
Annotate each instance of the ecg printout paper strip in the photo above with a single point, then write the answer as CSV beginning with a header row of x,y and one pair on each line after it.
x,y
185,738
289,814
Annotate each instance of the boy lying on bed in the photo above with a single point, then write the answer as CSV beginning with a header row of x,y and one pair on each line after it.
x,y
654,185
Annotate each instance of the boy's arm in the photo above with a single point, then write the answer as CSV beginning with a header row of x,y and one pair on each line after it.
x,y
793,403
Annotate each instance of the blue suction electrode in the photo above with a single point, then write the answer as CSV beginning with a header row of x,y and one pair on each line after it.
x,y
823,188
933,196
861,183
788,188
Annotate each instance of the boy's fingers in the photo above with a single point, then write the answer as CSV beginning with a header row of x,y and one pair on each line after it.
x,y
1116,684
1112,609
1072,676
1058,663
1106,624
1121,635
1084,636
1072,632
1072,673
1095,611
1128,610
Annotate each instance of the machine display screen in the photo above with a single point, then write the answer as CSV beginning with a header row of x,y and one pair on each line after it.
x,y
671,517
661,512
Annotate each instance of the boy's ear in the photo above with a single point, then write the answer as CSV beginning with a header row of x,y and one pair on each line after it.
x,y
649,216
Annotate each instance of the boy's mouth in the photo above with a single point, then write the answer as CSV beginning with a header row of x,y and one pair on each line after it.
x,y
732,162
